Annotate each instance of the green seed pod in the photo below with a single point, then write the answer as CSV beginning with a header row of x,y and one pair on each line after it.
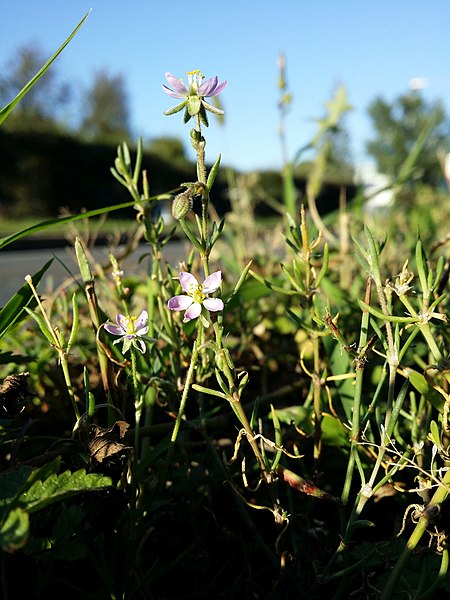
x,y
181,205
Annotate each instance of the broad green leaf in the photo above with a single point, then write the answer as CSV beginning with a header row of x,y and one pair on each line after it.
x,y
58,487
14,310
4,112
11,482
14,530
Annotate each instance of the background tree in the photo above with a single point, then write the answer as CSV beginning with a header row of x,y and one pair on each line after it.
x,y
398,126
46,106
105,113
170,149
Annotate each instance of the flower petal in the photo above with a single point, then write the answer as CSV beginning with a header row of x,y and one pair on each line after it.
x,y
213,304
211,87
121,321
188,282
192,312
177,85
170,92
179,302
208,86
212,282
113,329
219,89
141,321
142,331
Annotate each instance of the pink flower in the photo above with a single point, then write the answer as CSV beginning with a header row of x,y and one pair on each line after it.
x,y
194,95
131,329
196,295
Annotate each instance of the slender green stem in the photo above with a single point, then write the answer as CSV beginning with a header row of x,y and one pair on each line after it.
x,y
137,401
357,400
187,385
200,150
65,370
317,403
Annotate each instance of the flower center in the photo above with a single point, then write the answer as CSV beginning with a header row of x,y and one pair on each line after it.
x,y
194,79
198,295
128,325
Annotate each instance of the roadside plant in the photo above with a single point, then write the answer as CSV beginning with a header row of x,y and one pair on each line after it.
x,y
275,402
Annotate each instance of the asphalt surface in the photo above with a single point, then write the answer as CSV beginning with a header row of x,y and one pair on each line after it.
x,y
16,264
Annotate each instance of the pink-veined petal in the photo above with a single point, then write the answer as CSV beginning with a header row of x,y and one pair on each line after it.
x,y
121,320
192,312
141,321
208,86
170,92
212,282
213,304
211,87
218,89
179,302
113,329
177,85
188,282
142,330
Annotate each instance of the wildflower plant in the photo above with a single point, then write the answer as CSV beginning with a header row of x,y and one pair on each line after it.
x,y
328,353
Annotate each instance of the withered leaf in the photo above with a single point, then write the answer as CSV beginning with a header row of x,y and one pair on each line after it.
x,y
13,392
106,445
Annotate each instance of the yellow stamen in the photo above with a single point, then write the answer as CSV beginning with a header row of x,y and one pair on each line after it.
x,y
196,73
128,324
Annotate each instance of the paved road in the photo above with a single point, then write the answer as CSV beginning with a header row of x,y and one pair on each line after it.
x,y
15,265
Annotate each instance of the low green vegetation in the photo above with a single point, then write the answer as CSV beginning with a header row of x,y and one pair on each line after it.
x,y
267,418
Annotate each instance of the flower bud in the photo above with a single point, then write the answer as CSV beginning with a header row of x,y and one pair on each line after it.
x,y
181,205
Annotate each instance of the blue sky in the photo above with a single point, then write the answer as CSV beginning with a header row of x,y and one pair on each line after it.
x,y
372,48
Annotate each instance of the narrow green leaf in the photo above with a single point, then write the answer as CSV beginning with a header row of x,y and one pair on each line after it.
x,y
75,321
42,326
83,263
434,434
60,221
421,267
240,282
391,318
373,255
14,311
137,166
213,174
4,112
278,437
324,267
